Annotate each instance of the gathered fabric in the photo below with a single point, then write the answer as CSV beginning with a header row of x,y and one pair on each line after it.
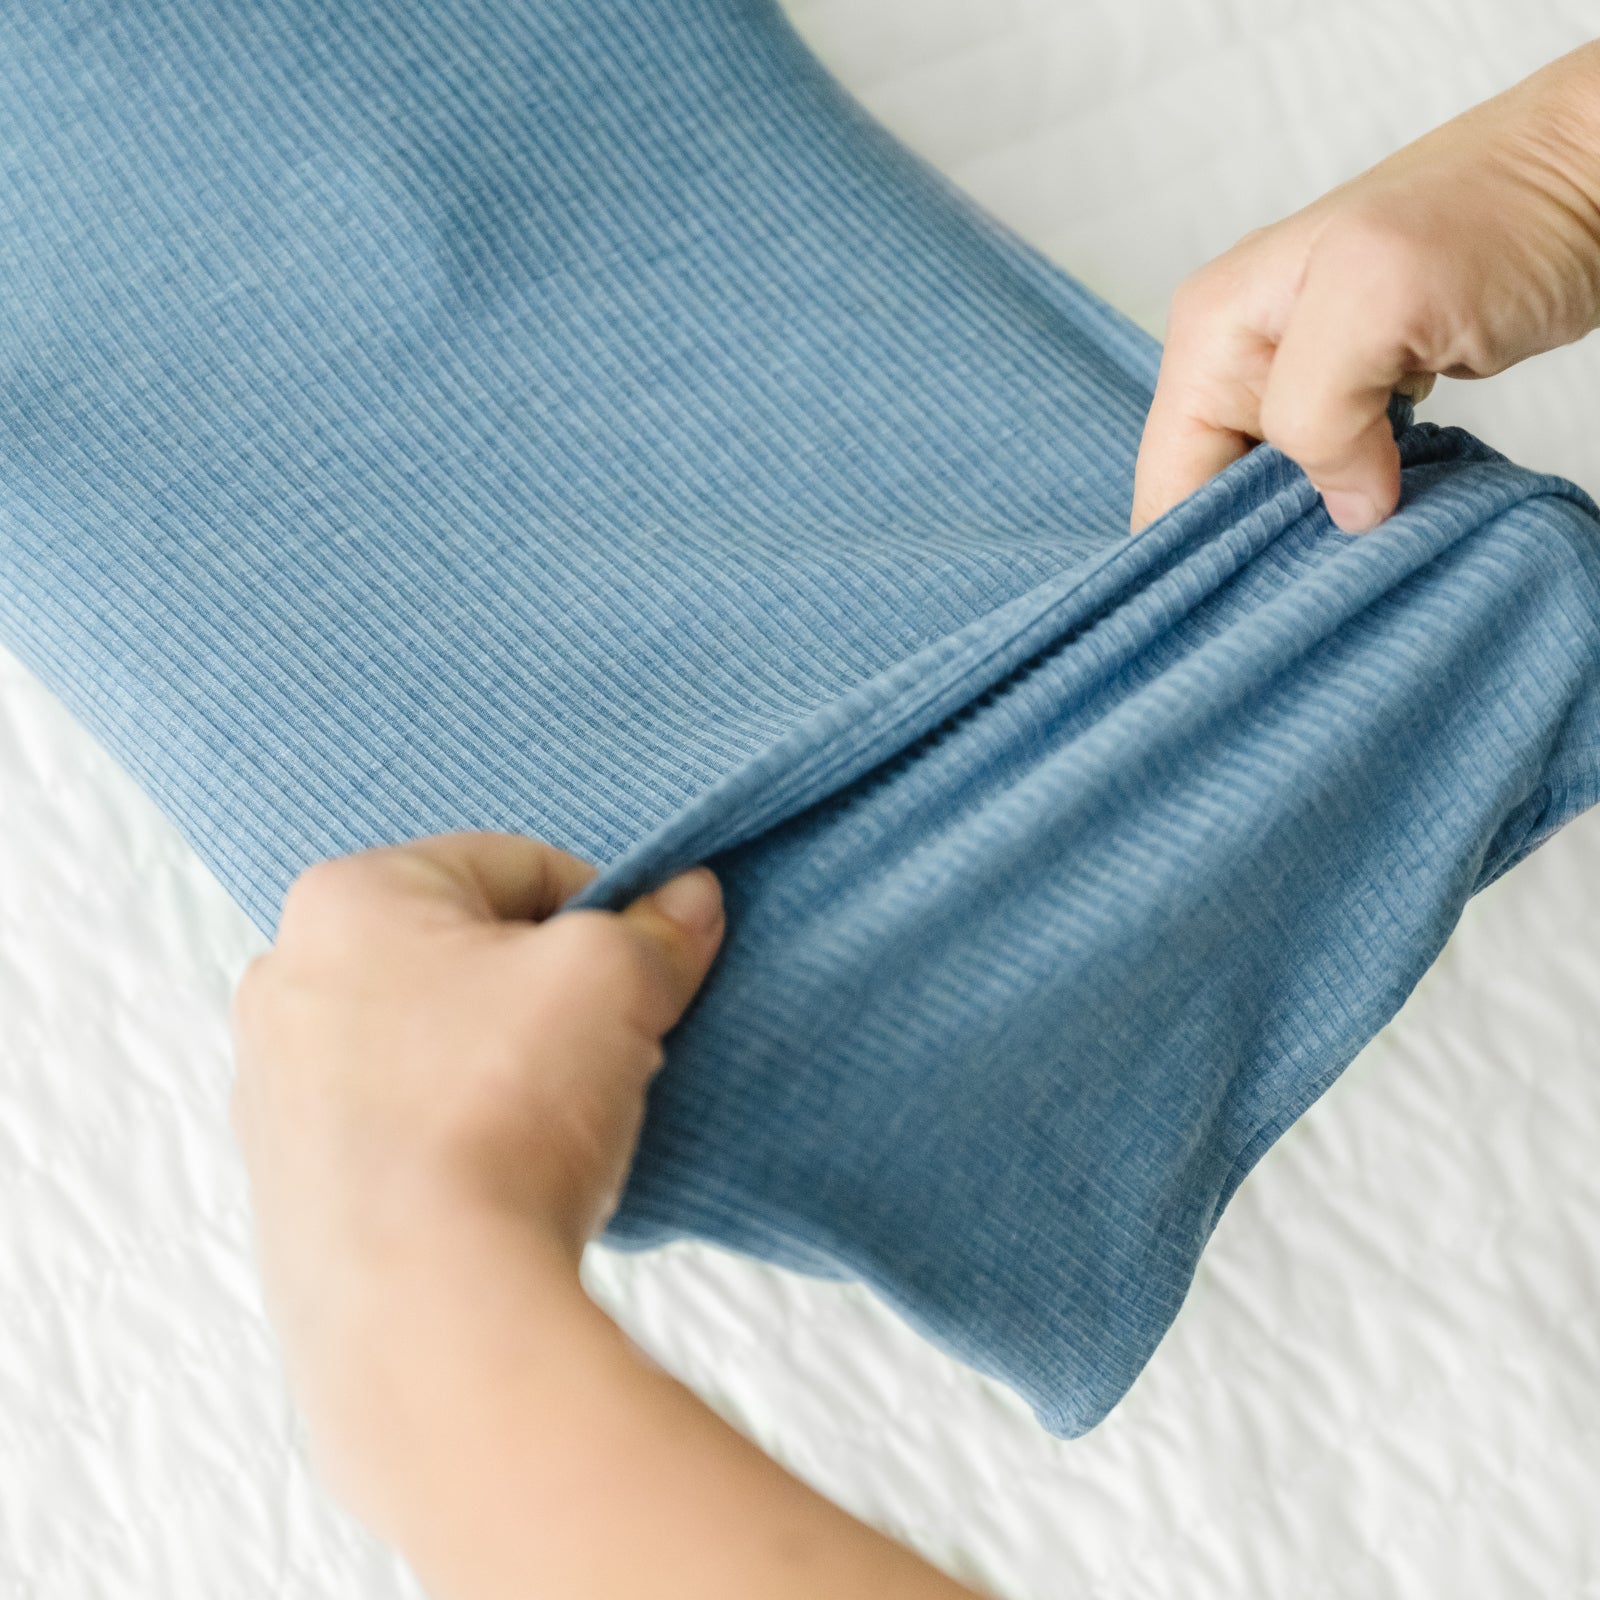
x,y
578,417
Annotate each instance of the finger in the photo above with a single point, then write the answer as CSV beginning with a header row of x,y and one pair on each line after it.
x,y
1327,398
639,967
499,875
683,923
1204,414
1178,452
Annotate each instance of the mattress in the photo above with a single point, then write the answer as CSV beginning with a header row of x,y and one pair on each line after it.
x,y
1380,1381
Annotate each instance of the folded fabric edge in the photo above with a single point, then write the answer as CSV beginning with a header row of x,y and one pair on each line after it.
x,y
884,717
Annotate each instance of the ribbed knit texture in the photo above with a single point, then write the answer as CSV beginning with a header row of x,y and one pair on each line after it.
x,y
575,417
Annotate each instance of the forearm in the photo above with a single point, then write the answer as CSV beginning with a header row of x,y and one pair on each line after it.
x,y
520,1446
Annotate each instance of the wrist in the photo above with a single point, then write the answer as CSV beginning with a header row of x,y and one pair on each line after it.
x,y
453,1315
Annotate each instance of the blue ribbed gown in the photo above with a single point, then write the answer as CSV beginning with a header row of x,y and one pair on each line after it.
x,y
577,417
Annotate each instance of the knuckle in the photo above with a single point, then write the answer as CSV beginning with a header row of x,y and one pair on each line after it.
x,y
323,893
1372,243
1197,296
1388,267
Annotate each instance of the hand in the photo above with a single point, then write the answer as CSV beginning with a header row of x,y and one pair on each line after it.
x,y
421,1050
438,1095
1461,254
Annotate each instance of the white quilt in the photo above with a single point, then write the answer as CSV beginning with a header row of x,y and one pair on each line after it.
x,y
1385,1382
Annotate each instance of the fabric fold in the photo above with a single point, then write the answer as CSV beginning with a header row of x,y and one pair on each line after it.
x,y
1059,968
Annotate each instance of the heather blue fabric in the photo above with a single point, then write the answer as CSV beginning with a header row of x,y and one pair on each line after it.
x,y
575,416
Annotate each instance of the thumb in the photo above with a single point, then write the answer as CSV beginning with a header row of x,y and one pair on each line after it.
x,y
1327,398
683,923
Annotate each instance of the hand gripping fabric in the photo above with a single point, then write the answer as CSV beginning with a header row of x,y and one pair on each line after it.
x,y
576,417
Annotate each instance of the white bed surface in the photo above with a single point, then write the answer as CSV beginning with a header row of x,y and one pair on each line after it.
x,y
1386,1380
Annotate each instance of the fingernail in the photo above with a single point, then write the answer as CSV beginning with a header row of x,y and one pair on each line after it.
x,y
693,900
1352,510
